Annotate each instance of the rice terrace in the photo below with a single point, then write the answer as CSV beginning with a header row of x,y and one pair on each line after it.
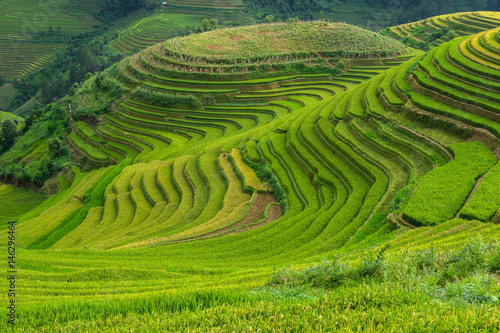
x,y
249,165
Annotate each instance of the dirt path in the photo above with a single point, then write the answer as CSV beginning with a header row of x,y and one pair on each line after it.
x,y
250,221
472,194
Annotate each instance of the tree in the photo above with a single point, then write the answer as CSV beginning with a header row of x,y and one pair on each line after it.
x,y
9,134
2,80
73,89
37,111
205,24
88,76
55,145
269,19
151,4
33,116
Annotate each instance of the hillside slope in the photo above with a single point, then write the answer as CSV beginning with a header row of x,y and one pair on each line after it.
x,y
175,120
215,169
443,28
179,17
20,52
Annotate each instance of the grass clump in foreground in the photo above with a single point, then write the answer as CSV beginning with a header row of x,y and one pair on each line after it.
x,y
463,276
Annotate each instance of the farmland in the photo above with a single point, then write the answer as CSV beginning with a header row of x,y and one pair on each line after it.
x,y
19,51
301,175
443,28
177,17
16,201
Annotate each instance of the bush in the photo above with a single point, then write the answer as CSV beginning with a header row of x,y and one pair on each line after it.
x,y
324,275
451,34
8,134
370,267
328,274
165,100
459,275
494,263
84,112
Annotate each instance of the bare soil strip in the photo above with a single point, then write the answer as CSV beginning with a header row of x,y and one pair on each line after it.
x,y
250,221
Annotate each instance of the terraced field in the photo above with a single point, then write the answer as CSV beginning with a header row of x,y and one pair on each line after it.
x,y
152,30
219,169
20,59
19,53
462,24
89,5
330,142
7,94
16,201
222,10
7,115
178,16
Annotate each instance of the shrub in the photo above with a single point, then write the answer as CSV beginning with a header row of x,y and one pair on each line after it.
x,y
494,263
8,134
451,34
165,100
370,267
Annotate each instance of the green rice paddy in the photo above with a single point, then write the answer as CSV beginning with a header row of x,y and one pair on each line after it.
x,y
216,196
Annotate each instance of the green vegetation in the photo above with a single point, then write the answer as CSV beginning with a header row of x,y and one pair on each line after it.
x,y
308,166
17,201
443,274
485,202
370,14
429,32
89,150
444,190
7,94
7,115
41,150
331,40
157,28
21,53
451,284
8,134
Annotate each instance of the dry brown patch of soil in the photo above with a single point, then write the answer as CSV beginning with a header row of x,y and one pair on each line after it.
x,y
255,214
215,47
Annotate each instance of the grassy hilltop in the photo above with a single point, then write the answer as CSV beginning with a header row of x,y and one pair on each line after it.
x,y
333,179
281,39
